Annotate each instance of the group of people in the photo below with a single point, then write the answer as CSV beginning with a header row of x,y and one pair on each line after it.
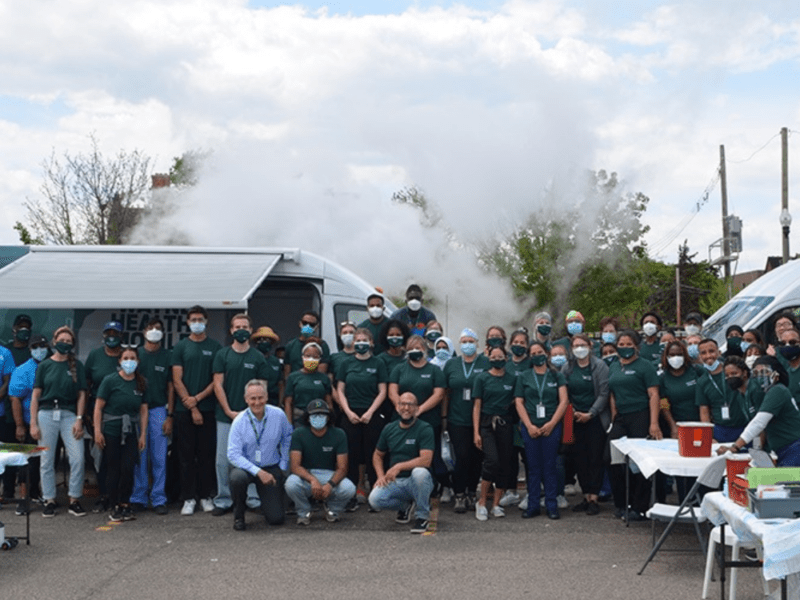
x,y
398,414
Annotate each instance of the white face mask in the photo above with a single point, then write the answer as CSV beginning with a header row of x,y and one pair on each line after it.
x,y
676,362
375,312
347,339
414,305
691,330
649,329
581,352
154,335
750,360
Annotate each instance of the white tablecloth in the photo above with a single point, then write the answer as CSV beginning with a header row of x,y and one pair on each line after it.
x,y
12,459
650,456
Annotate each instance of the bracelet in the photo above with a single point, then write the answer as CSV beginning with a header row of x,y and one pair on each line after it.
x,y
79,417
330,483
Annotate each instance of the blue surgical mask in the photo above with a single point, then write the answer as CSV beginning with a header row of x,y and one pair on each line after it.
x,y
574,327
694,351
744,345
468,348
713,366
129,366
307,330
39,354
558,360
197,327
608,337
443,354
318,421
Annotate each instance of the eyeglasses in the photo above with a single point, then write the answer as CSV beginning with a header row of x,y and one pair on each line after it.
x,y
311,323
406,404
344,324
789,343
129,346
36,346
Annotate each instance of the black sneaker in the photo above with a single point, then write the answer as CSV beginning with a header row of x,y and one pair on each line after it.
x,y
352,506
219,511
116,515
404,516
128,514
583,506
420,526
161,509
593,509
138,507
76,509
49,510
22,508
100,506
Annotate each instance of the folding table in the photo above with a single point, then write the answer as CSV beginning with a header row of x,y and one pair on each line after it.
x,y
20,459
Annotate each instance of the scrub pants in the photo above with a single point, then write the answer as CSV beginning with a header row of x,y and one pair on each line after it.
x,y
51,431
588,449
271,495
361,442
467,470
121,459
498,451
299,491
542,453
196,447
153,457
398,494
727,435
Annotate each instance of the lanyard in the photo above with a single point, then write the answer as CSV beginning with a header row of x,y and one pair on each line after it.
x,y
711,377
255,431
464,368
541,387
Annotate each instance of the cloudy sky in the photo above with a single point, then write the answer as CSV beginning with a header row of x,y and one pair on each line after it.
x,y
317,111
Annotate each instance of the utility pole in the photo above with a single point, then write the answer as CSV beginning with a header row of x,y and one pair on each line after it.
x,y
726,250
785,218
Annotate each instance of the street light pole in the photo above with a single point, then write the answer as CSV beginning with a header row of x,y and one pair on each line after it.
x,y
785,218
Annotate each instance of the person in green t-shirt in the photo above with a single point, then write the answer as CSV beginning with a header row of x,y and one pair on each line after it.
x,y
541,400
718,403
650,345
362,389
318,461
120,429
265,340
347,334
376,321
195,425
306,385
394,336
293,353
493,394
778,416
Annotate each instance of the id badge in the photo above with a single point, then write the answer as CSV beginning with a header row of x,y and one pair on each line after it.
x,y
258,457
540,414
467,394
726,413
57,415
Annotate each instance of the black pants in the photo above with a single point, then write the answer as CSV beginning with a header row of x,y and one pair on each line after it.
x,y
197,447
467,471
588,451
361,442
121,460
271,495
498,451
633,425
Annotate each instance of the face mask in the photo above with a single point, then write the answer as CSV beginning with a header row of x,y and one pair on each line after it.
x,y
734,343
649,329
468,348
310,364
362,347
610,358
538,359
63,347
375,312
544,329
676,362
318,421
519,350
23,335
112,341
443,354
626,352
498,364
608,337
433,335
414,305
415,355
694,351
39,354
574,328
307,330
154,335
713,366
763,381
129,366
744,345
581,352
495,342
734,382
750,360
197,327
347,339
241,335
264,347
559,360
395,341
692,329
790,353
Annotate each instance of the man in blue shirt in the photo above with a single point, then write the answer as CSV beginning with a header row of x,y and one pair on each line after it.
x,y
258,449
413,313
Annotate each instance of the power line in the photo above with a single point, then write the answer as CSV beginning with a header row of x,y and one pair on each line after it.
x,y
756,152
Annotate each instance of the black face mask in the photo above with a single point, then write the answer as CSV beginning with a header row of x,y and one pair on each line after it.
x,y
264,347
23,334
734,382
790,353
495,342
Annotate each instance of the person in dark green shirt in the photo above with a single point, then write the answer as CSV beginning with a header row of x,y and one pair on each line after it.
x,y
293,353
394,336
650,346
306,385
347,334
362,390
460,374
120,429
493,393
265,340
318,459
195,428
718,403
376,321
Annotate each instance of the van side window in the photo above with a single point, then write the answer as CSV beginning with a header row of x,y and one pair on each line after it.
x,y
349,312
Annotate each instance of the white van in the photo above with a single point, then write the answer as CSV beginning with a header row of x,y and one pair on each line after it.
x,y
758,305
86,286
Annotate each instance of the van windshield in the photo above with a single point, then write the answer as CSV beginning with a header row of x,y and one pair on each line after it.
x,y
738,311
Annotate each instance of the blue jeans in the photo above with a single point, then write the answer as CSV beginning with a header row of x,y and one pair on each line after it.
x,y
153,457
51,430
541,454
299,491
789,455
727,435
398,494
223,499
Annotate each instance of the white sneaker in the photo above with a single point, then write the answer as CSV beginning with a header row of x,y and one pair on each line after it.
x,y
447,495
510,498
480,512
541,501
498,512
523,505
207,504
569,490
562,502
188,507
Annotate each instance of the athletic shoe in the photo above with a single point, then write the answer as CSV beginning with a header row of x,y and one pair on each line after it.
x,y
634,516
331,516
583,506
404,516
498,512
420,526
238,525
49,510
553,514
303,519
116,515
523,505
161,509
188,507
76,509
510,498
593,509
480,512
569,490
562,502
461,504
218,511
100,506
22,508
138,507
128,514
207,504
352,505
447,495
361,496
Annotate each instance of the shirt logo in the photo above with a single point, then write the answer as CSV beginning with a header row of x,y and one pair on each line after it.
x,y
411,441
372,371
691,382
552,385
327,448
587,377
206,352
249,366
508,387
425,376
159,368
629,372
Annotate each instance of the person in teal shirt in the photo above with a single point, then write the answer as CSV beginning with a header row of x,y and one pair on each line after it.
x,y
718,403
306,385
650,346
376,321
394,336
518,363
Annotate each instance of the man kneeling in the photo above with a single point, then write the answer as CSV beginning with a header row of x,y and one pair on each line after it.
x,y
258,450
407,483
319,466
